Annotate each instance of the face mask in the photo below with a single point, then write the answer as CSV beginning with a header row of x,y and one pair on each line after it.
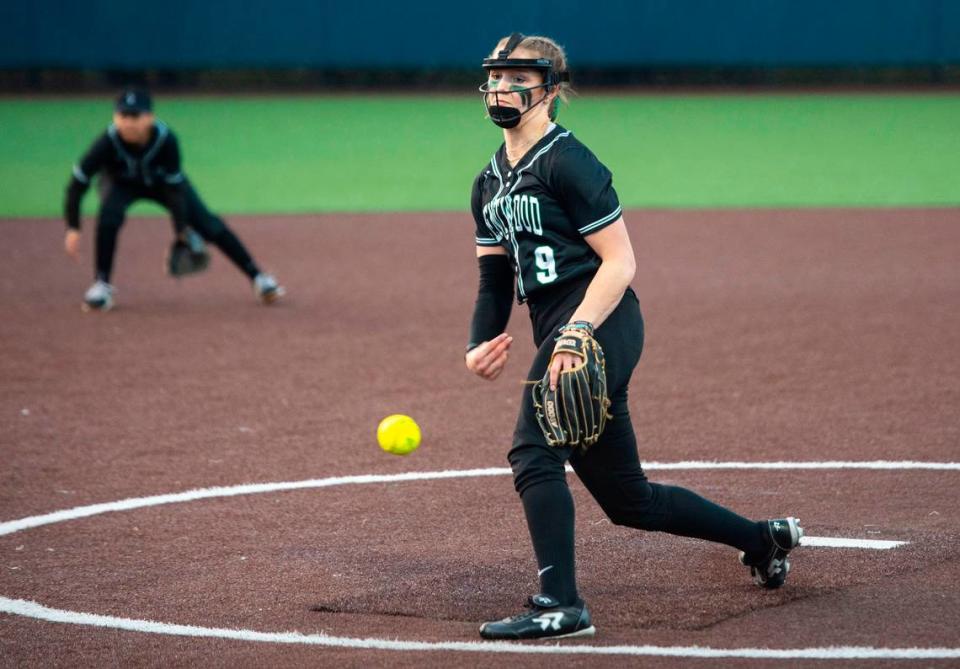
x,y
509,117
505,117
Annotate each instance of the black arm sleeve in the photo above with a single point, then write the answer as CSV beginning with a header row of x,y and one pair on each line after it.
x,y
175,197
71,204
494,299
83,172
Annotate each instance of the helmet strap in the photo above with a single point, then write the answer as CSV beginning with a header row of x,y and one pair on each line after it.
x,y
512,43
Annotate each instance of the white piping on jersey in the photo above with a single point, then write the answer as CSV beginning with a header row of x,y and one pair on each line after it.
x,y
507,230
131,163
79,175
503,230
496,171
490,241
162,133
519,174
174,178
598,223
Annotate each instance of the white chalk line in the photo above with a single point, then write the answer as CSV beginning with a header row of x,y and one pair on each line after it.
x,y
38,611
12,526
841,542
824,464
9,527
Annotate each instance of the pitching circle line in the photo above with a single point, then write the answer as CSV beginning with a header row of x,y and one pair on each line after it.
x,y
38,611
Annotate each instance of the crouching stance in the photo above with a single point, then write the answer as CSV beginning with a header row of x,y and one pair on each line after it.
x,y
138,157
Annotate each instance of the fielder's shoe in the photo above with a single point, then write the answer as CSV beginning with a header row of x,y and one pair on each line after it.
x,y
770,569
545,619
267,289
98,297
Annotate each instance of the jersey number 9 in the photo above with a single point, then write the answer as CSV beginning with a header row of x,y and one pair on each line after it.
x,y
543,256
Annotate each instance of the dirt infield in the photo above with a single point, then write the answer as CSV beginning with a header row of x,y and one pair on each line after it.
x,y
772,336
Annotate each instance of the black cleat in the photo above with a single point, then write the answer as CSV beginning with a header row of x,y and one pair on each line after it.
x,y
546,619
770,569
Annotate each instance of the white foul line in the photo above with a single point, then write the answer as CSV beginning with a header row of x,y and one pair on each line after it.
x,y
33,610
840,542
825,464
38,611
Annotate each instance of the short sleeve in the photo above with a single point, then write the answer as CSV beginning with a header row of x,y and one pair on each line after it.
x,y
584,187
484,237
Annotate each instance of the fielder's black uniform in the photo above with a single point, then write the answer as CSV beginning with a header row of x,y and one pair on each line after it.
x,y
540,211
153,172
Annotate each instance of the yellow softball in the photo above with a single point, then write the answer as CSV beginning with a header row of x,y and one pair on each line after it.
x,y
398,434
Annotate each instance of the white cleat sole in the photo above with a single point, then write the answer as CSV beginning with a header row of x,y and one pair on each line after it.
x,y
589,631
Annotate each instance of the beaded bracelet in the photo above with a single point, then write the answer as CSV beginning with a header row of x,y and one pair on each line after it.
x,y
586,326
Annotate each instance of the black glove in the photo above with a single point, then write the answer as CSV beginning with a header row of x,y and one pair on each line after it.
x,y
188,255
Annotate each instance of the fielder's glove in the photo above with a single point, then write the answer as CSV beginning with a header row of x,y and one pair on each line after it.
x,y
576,413
188,255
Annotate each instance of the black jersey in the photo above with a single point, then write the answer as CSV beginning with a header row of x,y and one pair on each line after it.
x,y
541,209
155,164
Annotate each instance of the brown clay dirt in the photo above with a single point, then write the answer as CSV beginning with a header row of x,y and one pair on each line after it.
x,y
772,335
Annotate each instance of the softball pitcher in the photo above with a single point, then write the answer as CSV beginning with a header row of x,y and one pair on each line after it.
x,y
548,221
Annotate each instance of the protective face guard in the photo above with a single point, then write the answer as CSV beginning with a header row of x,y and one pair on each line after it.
x,y
509,117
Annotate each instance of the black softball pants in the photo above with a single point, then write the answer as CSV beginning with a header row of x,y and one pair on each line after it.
x,y
187,209
610,469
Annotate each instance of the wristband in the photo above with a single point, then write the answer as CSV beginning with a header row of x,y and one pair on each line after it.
x,y
585,326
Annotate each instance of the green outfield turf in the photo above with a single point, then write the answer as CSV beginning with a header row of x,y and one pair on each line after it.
x,y
367,153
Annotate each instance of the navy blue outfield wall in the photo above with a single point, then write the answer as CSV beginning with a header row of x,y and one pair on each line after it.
x,y
187,34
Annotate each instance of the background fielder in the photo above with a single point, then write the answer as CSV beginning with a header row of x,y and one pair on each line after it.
x,y
138,157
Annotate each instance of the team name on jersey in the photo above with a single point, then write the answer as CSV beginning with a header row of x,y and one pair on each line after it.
x,y
520,212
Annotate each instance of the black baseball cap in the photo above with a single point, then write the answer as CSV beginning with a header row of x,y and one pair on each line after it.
x,y
134,101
